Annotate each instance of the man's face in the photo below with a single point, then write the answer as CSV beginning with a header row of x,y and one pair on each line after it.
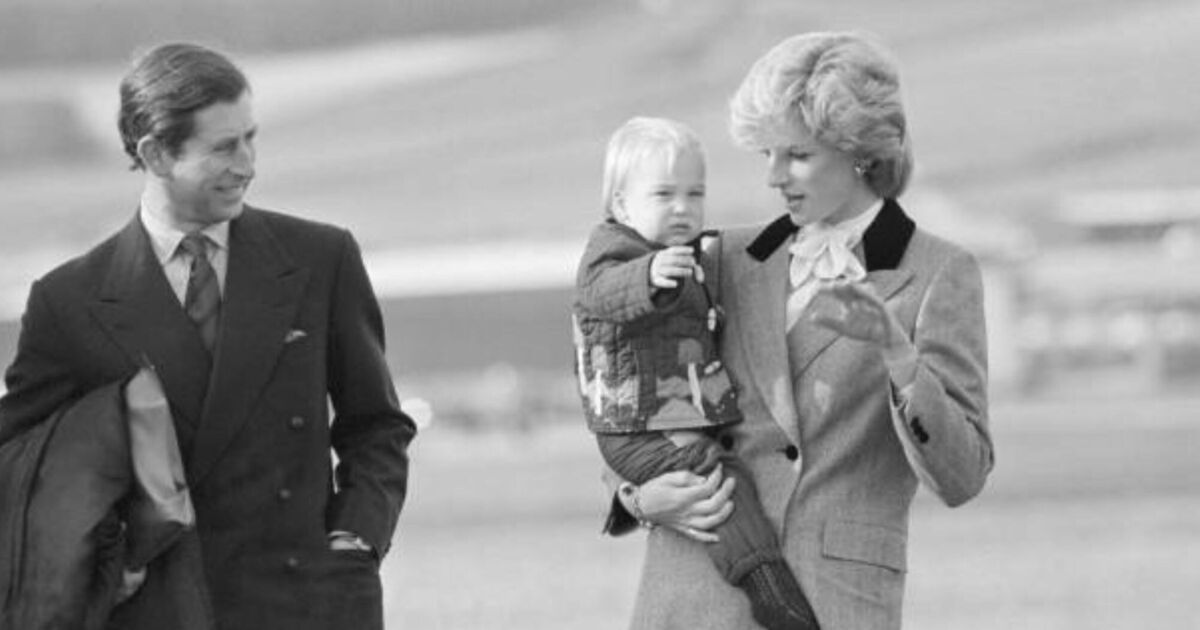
x,y
208,178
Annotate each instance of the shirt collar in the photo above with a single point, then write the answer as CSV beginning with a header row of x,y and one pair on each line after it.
x,y
165,238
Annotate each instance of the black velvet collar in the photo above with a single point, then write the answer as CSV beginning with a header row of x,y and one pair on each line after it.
x,y
884,242
771,238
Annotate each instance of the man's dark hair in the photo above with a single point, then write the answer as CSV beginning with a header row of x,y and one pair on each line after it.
x,y
166,86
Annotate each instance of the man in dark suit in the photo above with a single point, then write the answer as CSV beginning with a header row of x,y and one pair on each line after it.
x,y
256,322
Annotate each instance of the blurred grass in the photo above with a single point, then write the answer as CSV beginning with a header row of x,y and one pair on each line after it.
x,y
1089,521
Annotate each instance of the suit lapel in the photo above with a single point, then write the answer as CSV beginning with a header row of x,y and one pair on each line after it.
x,y
812,341
882,249
263,287
758,299
888,282
136,306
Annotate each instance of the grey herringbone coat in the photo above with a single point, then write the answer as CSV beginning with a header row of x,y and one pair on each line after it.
x,y
841,506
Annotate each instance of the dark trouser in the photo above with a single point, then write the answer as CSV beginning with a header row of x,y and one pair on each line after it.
x,y
746,537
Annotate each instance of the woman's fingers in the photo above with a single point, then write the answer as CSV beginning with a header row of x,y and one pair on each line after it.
x,y
826,320
707,514
853,294
711,521
713,479
689,503
666,497
692,487
853,309
842,294
699,535
684,479
715,503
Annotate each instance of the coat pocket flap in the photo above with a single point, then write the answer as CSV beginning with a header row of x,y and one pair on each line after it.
x,y
861,542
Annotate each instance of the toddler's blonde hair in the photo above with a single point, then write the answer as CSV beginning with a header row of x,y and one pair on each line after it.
x,y
639,138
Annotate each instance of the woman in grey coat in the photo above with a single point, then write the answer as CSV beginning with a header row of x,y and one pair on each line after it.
x,y
857,341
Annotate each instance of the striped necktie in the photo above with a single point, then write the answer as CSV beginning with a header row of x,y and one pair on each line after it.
x,y
203,300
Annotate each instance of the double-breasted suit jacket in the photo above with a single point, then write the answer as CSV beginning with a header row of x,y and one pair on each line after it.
x,y
300,331
836,452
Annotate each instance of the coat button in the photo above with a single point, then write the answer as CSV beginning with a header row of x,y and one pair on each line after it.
x,y
919,431
284,494
292,563
296,422
791,452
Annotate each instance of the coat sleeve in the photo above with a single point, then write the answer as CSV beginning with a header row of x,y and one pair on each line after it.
x,y
39,380
613,282
369,432
942,422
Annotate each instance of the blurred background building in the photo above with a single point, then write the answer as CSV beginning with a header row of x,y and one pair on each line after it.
x,y
1111,302
462,142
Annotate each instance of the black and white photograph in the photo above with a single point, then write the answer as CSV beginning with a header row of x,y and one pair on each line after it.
x,y
646,314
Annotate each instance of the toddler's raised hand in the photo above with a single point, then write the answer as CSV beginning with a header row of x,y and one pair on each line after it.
x,y
669,264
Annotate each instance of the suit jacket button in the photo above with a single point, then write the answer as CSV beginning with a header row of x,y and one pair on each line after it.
x,y
292,563
284,494
296,422
791,452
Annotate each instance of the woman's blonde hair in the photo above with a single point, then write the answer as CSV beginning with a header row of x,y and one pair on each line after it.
x,y
639,138
844,89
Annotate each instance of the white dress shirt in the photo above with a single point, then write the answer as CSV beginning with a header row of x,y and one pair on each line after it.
x,y
176,263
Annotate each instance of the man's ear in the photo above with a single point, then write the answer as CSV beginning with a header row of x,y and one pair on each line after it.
x,y
155,156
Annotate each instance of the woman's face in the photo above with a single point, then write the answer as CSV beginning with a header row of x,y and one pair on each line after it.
x,y
818,182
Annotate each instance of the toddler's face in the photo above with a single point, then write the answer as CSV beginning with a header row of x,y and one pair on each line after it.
x,y
663,199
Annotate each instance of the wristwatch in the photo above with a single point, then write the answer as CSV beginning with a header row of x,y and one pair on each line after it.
x,y
633,500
